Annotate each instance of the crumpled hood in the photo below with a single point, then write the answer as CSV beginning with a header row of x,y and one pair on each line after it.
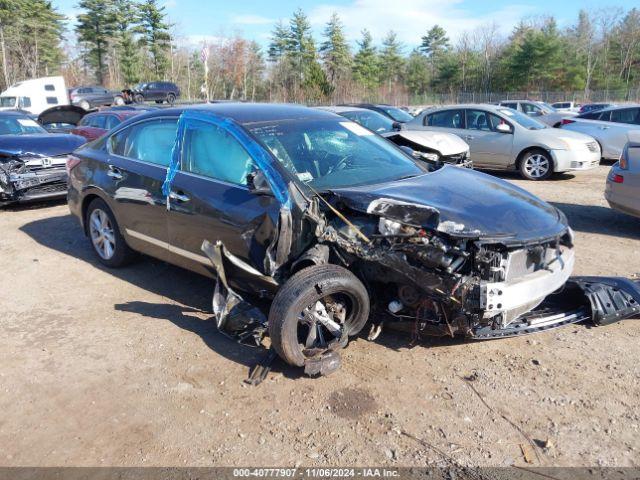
x,y
469,203
445,143
39,144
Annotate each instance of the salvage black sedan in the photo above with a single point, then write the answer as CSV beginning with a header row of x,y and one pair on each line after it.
x,y
32,161
316,226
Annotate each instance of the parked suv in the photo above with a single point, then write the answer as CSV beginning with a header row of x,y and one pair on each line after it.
x,y
155,91
93,97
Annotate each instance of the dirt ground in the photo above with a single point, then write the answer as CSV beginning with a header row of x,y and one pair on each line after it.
x,y
125,367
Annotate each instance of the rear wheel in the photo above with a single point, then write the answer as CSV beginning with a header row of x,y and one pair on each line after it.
x,y
315,311
536,165
104,233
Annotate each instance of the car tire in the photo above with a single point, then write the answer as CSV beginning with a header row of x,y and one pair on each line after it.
x,y
536,164
138,98
118,101
121,254
84,105
171,99
288,317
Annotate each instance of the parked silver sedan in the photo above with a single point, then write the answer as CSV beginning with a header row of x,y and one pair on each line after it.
x,y
501,138
610,127
623,183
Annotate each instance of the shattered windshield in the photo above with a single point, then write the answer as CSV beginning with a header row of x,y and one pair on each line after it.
x,y
19,126
7,102
332,154
372,120
397,114
524,120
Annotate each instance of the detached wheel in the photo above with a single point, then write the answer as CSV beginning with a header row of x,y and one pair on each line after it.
x,y
171,98
118,101
104,233
315,311
84,105
536,165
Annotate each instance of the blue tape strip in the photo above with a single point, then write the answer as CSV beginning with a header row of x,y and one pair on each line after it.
x,y
262,159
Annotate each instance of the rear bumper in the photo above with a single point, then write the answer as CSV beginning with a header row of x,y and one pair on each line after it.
x,y
620,196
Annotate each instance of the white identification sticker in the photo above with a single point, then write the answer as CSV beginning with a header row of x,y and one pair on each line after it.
x,y
27,122
357,129
305,176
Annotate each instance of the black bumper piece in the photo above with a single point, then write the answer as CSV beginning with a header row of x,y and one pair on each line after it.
x,y
595,300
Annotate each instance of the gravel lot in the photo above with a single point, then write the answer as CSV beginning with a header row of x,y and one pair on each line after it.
x,y
124,367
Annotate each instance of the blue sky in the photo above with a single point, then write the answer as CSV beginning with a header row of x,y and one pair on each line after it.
x,y
200,20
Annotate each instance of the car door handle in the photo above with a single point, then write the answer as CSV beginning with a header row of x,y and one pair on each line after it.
x,y
469,137
179,197
605,128
114,173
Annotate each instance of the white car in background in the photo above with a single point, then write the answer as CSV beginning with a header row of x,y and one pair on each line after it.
x,y
566,107
438,148
543,112
501,138
610,127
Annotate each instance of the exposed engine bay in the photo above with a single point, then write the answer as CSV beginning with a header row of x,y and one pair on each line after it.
x,y
32,177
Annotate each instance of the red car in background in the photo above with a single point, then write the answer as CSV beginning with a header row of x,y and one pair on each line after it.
x,y
94,125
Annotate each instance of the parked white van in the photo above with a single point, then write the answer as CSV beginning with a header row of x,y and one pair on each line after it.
x,y
35,95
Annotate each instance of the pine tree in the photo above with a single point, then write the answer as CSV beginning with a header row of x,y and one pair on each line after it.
x,y
96,27
155,35
391,60
128,57
417,73
279,43
435,42
366,65
335,51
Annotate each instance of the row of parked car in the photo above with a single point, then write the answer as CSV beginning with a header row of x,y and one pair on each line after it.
x,y
304,215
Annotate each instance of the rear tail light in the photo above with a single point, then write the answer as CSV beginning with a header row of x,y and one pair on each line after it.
x,y
617,178
72,162
566,121
623,161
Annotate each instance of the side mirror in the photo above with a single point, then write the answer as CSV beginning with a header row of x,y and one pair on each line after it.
x,y
258,184
503,128
396,127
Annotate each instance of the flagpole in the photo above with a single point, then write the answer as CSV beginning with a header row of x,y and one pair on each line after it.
x,y
204,55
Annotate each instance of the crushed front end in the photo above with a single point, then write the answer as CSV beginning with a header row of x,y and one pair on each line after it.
x,y
436,278
26,178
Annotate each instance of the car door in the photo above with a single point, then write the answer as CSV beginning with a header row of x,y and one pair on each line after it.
x,y
152,92
139,157
489,147
103,96
210,200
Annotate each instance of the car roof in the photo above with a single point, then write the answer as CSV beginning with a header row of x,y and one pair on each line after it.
x,y
14,113
343,109
612,107
247,113
486,106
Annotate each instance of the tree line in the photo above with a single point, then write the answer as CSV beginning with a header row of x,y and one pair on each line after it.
x,y
118,43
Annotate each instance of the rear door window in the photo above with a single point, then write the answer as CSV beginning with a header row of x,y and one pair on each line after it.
x,y
446,119
213,152
625,115
151,141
